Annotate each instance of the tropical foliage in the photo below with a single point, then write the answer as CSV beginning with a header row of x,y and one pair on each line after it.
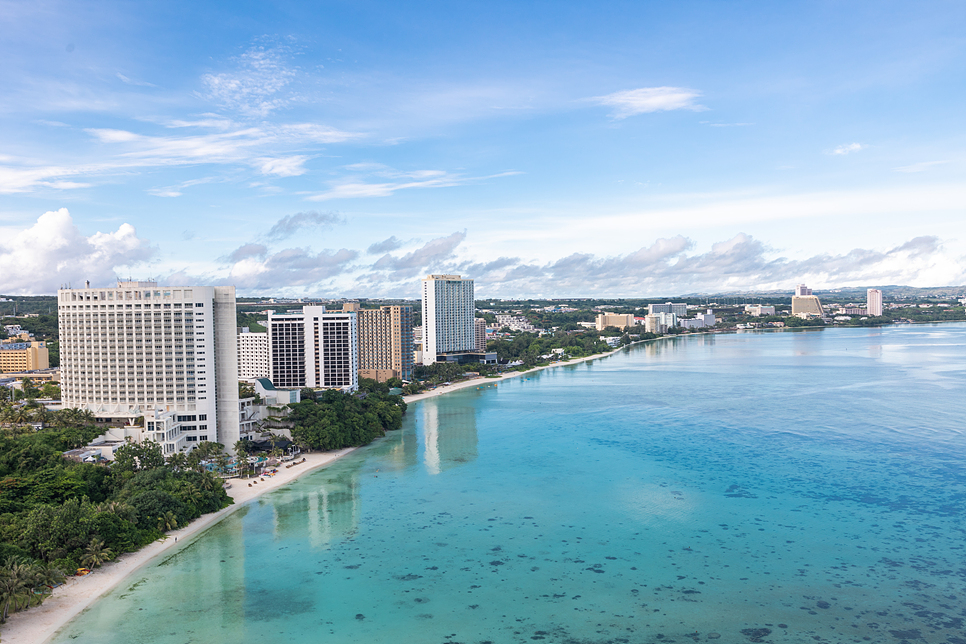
x,y
25,583
334,420
65,514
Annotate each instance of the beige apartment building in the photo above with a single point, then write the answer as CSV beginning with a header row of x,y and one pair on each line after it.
x,y
605,320
385,341
23,356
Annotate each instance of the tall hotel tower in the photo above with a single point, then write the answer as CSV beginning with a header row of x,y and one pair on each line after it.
x,y
314,348
166,354
448,312
385,341
873,301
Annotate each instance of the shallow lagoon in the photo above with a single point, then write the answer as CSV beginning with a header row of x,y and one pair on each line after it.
x,y
776,487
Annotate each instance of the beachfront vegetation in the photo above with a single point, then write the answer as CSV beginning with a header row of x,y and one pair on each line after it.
x,y
25,583
529,347
63,514
332,420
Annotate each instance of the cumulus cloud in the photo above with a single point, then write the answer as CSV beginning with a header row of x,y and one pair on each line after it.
x,y
848,148
666,267
290,224
246,251
426,257
53,252
291,267
650,99
384,246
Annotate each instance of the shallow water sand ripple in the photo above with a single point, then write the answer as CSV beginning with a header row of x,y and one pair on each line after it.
x,y
783,487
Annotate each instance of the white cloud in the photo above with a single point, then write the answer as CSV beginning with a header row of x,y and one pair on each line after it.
x,y
920,167
292,166
650,99
352,189
164,192
53,252
291,267
131,81
848,148
291,224
259,147
255,87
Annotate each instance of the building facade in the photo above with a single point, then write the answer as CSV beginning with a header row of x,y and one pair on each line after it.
x,y
168,354
759,309
23,356
873,301
480,326
448,316
314,348
620,321
252,354
385,342
679,309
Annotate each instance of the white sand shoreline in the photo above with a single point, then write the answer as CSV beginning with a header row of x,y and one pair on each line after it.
x,y
38,624
476,382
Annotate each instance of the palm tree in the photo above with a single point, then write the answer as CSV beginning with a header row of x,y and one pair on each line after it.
x,y
190,493
167,521
241,458
178,461
41,415
49,575
95,554
119,508
17,581
20,415
11,589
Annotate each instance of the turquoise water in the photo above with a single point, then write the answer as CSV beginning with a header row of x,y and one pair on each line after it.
x,y
776,487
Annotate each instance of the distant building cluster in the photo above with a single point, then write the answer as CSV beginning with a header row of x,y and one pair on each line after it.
x,y
164,363
19,352
515,323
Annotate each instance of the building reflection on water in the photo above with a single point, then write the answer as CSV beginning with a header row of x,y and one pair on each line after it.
x,y
449,435
325,514
331,511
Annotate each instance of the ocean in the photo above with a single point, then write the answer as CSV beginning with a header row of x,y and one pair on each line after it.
x,y
796,486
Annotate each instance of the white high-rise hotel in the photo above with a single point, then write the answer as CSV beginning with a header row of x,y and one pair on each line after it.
x,y
166,354
873,301
448,312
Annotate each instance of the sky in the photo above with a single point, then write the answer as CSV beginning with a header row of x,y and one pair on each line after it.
x,y
545,149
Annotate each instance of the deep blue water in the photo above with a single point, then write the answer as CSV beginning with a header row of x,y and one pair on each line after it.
x,y
780,487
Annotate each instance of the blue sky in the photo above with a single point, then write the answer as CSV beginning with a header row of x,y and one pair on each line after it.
x,y
544,148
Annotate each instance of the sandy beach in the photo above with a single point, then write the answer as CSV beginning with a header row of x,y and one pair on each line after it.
x,y
39,624
481,381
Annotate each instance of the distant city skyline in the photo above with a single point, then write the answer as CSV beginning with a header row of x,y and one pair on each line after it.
x,y
636,150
